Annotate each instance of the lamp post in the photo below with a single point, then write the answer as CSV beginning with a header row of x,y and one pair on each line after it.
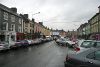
x,y
35,14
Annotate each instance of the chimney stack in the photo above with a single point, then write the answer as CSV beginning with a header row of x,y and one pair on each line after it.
x,y
41,23
14,9
26,16
33,20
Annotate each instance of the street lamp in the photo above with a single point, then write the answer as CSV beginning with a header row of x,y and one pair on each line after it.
x,y
35,13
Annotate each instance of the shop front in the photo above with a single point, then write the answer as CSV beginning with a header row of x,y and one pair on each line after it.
x,y
20,36
95,36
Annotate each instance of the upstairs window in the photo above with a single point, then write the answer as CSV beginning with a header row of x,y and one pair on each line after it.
x,y
30,24
5,16
12,18
19,29
19,20
12,27
26,25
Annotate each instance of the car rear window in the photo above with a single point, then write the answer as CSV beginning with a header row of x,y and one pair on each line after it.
x,y
98,44
86,44
97,55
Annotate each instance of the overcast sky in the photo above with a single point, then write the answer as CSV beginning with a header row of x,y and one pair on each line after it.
x,y
57,14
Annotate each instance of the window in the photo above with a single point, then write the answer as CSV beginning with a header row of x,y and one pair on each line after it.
x,y
12,27
19,29
97,55
12,18
6,26
5,16
12,37
26,25
19,20
30,31
90,56
94,55
26,30
30,24
97,44
87,44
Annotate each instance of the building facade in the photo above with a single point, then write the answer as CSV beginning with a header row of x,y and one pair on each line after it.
x,y
28,27
94,25
41,30
87,30
10,21
92,28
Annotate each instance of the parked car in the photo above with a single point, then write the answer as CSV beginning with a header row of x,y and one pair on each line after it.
x,y
65,42
61,41
49,39
30,42
4,46
17,44
24,43
37,41
44,40
96,44
86,58
70,43
85,44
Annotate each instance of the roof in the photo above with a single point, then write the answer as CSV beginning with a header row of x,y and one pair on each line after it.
x,y
94,16
25,19
7,9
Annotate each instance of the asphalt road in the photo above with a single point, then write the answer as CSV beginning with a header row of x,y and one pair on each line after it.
x,y
43,55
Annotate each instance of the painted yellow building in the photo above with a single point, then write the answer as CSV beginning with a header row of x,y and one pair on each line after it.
x,y
41,29
94,24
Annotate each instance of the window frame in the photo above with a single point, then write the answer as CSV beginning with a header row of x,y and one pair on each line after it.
x,y
12,18
5,15
94,57
13,29
20,20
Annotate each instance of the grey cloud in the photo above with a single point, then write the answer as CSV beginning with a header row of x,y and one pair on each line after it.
x,y
58,13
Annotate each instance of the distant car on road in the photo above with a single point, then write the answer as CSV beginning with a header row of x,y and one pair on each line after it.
x,y
61,41
86,58
65,42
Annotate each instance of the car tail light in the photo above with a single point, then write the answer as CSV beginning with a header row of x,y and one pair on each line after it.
x,y
77,49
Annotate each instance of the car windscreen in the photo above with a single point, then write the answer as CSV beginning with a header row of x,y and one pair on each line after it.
x,y
86,44
63,39
98,44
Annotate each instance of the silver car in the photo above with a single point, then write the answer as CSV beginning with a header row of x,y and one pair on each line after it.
x,y
4,46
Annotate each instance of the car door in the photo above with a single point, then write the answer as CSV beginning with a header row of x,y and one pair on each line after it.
x,y
93,59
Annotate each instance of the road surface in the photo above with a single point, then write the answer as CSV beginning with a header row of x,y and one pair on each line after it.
x,y
44,55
